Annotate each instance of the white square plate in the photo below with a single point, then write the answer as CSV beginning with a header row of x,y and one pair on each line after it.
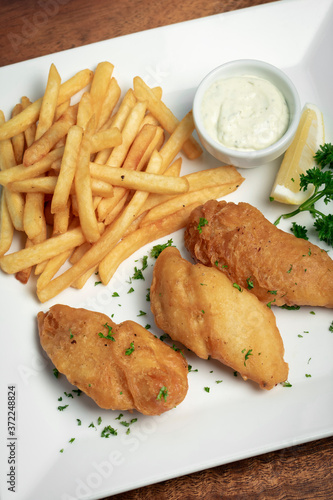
x,y
235,419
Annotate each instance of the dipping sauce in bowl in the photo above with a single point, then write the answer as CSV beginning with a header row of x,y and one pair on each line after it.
x,y
246,112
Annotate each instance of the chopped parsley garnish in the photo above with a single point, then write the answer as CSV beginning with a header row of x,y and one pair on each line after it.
x,y
273,292
78,391
130,349
249,283
62,408
216,263
68,394
190,369
141,313
147,326
70,334
290,269
71,440
119,416
299,231
55,372
308,375
99,420
235,285
247,355
202,222
78,421
131,290
162,393
177,349
148,295
144,262
92,425
157,249
164,336
207,389
115,294
108,431
330,328
108,336
321,180
218,381
286,384
137,274
97,283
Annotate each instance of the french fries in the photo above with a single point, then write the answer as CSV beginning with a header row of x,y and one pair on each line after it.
x,y
90,182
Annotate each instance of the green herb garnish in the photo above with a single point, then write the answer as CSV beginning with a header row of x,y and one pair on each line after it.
x,y
202,222
108,336
157,249
322,181
162,393
108,431
130,349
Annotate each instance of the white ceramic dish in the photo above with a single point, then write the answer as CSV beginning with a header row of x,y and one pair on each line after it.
x,y
234,420
260,69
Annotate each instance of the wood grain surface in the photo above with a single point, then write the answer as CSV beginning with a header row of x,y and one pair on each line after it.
x,y
29,29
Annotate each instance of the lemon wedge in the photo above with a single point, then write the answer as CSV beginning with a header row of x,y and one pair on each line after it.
x,y
298,158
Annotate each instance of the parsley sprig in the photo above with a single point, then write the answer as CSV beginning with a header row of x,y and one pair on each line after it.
x,y
322,180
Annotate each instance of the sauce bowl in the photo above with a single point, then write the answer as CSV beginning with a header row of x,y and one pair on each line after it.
x,y
260,69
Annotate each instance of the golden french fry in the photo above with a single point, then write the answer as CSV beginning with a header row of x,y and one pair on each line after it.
x,y
18,140
101,247
51,268
6,226
29,115
85,110
79,252
107,205
49,102
105,139
143,181
155,199
61,220
175,142
118,121
129,132
83,191
20,172
30,131
148,139
14,201
110,100
24,275
164,115
14,262
44,144
82,280
60,109
99,86
195,197
33,216
67,169
115,211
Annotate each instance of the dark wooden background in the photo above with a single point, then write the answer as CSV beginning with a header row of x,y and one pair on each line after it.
x,y
29,29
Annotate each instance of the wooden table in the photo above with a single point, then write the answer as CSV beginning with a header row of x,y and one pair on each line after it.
x,y
28,30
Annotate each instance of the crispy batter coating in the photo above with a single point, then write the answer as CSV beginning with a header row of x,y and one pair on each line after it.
x,y
151,377
199,306
239,241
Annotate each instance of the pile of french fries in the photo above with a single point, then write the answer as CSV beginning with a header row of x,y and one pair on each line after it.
x,y
90,175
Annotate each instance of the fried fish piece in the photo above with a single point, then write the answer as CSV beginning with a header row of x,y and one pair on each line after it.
x,y
199,306
276,266
120,366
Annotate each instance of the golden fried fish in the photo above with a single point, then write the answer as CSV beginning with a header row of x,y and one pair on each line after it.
x,y
121,367
276,266
199,307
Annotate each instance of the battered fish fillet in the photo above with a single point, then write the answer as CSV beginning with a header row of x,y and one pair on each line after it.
x,y
121,367
199,306
239,241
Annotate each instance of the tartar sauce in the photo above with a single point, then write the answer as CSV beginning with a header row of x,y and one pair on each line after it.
x,y
245,113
